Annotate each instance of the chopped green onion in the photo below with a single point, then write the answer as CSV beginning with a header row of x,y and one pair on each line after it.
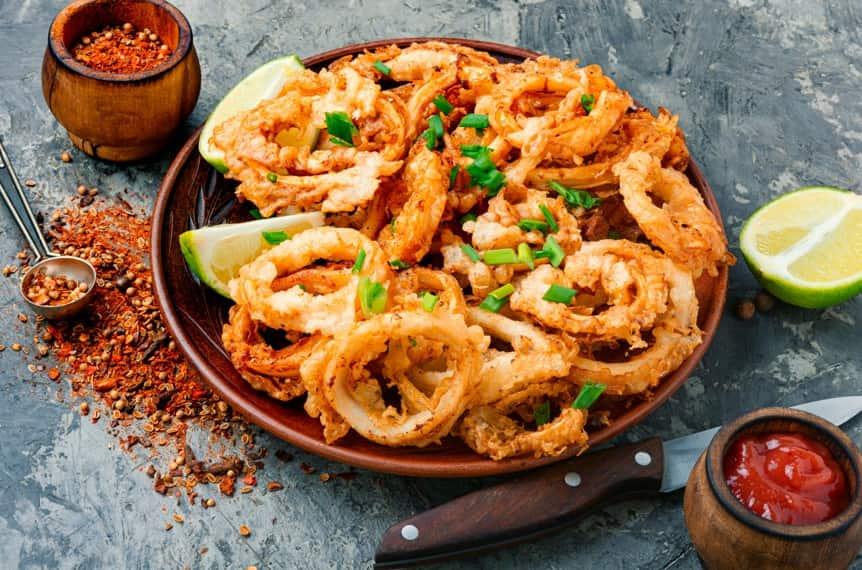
x,y
587,102
497,298
542,414
549,217
553,251
340,128
468,217
360,261
392,223
470,252
529,225
525,255
575,198
412,341
382,67
372,297
453,175
475,121
588,395
275,238
493,305
443,104
502,292
614,234
559,294
398,264
302,288
430,139
255,213
436,123
474,150
272,177
500,256
429,301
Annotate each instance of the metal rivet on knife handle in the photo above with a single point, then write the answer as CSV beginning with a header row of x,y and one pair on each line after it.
x,y
643,458
572,479
409,532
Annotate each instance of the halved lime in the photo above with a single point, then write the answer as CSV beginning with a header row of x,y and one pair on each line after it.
x,y
216,253
805,247
263,83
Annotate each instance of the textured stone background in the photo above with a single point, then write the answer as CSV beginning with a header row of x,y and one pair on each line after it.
x,y
768,93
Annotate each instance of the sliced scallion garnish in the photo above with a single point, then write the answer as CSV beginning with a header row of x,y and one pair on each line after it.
x,y
382,68
470,252
549,217
500,256
360,261
525,255
542,414
372,297
529,225
559,294
275,238
475,121
429,301
340,128
443,104
588,395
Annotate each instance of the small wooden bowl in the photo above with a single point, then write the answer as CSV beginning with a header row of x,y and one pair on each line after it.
x,y
728,535
113,116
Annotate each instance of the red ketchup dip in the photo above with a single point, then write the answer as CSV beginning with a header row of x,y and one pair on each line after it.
x,y
786,478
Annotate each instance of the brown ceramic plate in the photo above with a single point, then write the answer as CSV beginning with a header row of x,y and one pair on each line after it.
x,y
193,194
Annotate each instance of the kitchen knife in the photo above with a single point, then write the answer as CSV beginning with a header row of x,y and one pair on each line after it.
x,y
552,498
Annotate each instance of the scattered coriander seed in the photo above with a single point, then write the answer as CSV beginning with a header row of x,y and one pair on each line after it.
x,y
15,346
764,302
210,503
179,518
745,309
65,156
85,408
82,190
244,530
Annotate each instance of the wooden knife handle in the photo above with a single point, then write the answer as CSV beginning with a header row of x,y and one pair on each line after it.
x,y
523,508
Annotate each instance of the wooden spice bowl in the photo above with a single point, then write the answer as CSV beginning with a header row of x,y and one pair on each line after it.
x,y
115,116
727,535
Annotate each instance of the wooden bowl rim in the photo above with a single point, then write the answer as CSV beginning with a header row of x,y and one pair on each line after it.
x,y
413,466
62,54
714,465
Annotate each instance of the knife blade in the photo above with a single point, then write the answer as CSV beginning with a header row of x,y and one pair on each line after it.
x,y
552,498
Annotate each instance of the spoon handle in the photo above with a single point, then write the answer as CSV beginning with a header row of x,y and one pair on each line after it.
x,y
19,207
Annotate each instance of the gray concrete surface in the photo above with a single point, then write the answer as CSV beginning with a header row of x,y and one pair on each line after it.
x,y
768,93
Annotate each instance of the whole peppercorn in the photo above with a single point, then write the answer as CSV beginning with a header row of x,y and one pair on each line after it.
x,y
745,309
764,302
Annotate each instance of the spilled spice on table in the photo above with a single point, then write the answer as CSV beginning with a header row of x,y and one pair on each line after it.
x,y
119,354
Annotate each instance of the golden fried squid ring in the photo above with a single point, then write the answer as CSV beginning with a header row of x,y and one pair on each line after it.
x,y
490,430
683,227
297,309
408,285
535,356
630,277
482,278
409,237
353,390
316,405
270,370
639,130
675,335
498,226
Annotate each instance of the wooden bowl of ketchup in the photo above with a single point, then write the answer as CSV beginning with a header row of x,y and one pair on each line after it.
x,y
776,488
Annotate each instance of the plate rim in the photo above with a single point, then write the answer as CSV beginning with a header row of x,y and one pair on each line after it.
x,y
408,465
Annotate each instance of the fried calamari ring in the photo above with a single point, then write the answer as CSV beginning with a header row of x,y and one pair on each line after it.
x,y
482,278
490,430
630,276
683,227
352,388
675,336
270,370
408,238
297,309
408,285
316,405
639,130
535,356
498,226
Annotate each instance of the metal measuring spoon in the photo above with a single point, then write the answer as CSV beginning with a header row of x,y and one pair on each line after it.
x,y
52,264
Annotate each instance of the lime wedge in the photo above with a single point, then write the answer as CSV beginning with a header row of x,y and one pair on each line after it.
x,y
805,247
263,83
216,253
